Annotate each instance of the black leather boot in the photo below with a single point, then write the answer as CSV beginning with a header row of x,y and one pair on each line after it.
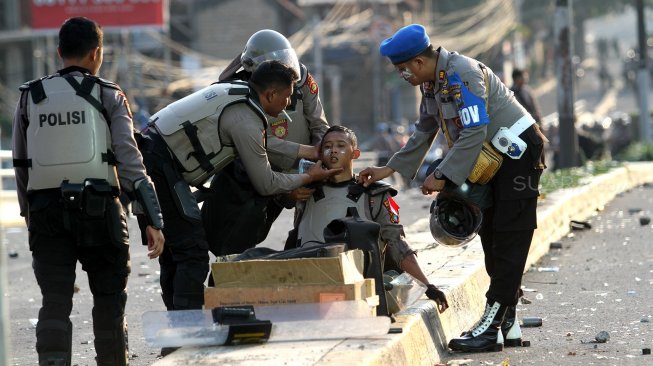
x,y
486,335
510,328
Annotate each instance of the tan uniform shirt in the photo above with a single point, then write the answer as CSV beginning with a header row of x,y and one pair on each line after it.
x,y
241,127
439,109
308,123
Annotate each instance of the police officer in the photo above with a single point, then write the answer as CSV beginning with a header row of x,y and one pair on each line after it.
x,y
236,208
74,151
470,106
195,137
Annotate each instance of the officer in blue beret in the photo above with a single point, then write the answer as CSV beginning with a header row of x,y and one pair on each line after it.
x,y
482,122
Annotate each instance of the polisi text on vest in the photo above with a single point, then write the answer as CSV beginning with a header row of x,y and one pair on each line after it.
x,y
67,118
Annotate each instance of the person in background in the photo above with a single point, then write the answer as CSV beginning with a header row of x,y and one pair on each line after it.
x,y
524,94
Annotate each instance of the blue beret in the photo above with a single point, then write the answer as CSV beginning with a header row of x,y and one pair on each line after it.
x,y
407,43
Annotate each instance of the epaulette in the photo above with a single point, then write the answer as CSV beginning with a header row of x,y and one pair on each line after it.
x,y
381,187
105,82
28,84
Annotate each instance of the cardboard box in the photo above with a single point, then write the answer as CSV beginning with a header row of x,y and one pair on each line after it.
x,y
343,269
296,294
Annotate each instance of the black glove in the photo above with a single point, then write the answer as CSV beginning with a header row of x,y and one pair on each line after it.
x,y
438,296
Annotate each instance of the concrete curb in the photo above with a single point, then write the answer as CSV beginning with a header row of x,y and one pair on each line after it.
x,y
460,272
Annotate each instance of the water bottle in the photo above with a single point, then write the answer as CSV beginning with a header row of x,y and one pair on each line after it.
x,y
304,165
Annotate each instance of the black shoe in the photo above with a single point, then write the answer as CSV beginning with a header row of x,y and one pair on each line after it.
x,y
486,335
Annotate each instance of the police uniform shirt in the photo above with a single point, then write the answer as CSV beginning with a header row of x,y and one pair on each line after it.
x,y
129,160
307,127
446,103
241,127
378,206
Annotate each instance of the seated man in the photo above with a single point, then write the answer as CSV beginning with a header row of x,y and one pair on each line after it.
x,y
330,201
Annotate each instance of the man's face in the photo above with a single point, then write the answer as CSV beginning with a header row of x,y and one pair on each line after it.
x,y
277,100
408,70
337,151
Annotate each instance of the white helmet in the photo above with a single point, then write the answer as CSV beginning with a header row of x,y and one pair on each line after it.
x,y
267,45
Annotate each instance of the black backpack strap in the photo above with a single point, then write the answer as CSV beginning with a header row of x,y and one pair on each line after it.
x,y
37,92
198,151
22,163
84,90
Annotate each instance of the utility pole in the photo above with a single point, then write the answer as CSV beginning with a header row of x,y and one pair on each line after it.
x,y
317,50
565,86
643,76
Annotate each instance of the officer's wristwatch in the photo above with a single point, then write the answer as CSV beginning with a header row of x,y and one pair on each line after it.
x,y
438,174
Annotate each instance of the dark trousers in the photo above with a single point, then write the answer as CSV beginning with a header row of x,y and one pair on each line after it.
x,y
58,240
235,216
185,258
508,226
505,258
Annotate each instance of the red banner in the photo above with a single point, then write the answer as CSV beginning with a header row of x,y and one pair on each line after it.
x,y
50,14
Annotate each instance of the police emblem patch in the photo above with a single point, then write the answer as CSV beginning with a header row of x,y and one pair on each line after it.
x,y
279,128
312,84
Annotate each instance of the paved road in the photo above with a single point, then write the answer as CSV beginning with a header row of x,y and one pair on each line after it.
x,y
604,283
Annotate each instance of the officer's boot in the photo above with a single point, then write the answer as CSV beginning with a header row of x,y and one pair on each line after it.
x,y
510,328
53,359
486,335
111,346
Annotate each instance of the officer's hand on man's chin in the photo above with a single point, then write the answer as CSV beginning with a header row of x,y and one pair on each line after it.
x,y
438,296
155,241
318,173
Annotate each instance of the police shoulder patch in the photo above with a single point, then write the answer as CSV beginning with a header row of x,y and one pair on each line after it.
x,y
393,209
279,128
312,84
126,103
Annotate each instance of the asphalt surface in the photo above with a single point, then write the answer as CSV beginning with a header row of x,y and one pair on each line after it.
x,y
601,280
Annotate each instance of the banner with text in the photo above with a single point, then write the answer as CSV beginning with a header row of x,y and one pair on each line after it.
x,y
50,14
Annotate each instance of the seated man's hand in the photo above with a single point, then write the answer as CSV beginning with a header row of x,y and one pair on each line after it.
x,y
301,193
438,296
